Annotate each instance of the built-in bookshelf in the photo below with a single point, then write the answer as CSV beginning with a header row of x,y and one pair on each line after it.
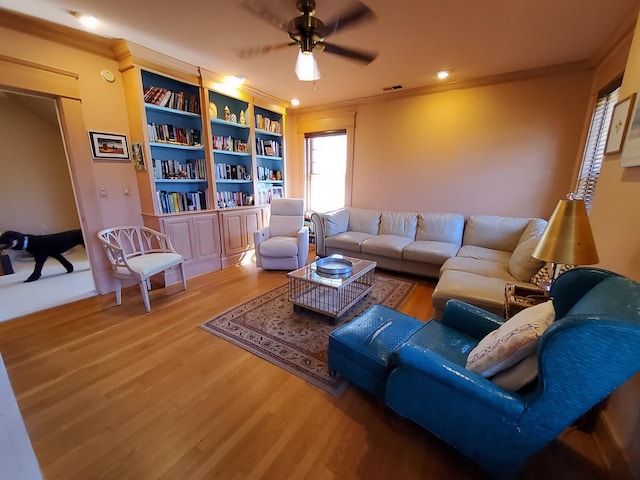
x,y
174,129
231,150
269,168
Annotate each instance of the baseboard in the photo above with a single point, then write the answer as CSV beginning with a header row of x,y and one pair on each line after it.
x,y
612,456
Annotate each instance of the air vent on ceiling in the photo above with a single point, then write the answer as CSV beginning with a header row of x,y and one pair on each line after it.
x,y
392,87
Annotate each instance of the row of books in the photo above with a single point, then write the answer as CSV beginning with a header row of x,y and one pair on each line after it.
x,y
263,197
226,171
229,144
171,202
193,169
227,199
265,123
172,134
269,148
265,173
164,97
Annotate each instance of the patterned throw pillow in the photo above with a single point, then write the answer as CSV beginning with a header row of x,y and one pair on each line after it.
x,y
515,340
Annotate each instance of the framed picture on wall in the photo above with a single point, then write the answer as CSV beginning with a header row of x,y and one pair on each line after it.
x,y
109,146
138,156
619,125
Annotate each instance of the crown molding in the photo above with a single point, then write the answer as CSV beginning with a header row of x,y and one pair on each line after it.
x,y
70,37
445,87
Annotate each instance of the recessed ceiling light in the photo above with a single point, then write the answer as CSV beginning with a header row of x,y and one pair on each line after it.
x,y
295,102
234,81
86,20
442,74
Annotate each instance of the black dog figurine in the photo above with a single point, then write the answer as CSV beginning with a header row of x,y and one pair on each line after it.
x,y
43,247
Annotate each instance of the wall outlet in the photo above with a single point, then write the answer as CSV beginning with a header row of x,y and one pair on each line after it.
x,y
125,190
102,192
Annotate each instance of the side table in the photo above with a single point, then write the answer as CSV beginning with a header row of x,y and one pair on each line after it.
x,y
518,297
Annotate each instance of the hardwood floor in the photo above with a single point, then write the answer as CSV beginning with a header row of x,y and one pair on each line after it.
x,y
110,392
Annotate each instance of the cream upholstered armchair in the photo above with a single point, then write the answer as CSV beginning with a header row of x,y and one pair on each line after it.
x,y
139,253
284,244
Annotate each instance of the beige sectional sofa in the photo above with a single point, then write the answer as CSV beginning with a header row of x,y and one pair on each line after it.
x,y
473,259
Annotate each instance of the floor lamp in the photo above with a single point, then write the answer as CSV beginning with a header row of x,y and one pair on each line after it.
x,y
568,238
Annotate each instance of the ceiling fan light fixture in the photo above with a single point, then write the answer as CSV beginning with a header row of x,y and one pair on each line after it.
x,y
307,67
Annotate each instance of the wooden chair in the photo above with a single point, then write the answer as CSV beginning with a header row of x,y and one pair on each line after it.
x,y
139,253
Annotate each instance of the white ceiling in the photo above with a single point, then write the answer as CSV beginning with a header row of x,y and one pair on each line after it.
x,y
414,39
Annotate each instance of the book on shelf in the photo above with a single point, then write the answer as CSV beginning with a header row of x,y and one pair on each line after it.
x,y
164,97
192,169
172,202
164,133
266,124
229,199
269,148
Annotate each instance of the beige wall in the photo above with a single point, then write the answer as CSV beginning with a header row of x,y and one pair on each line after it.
x,y
616,228
36,195
505,149
50,67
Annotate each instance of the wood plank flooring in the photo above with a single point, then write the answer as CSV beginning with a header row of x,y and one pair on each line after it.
x,y
112,392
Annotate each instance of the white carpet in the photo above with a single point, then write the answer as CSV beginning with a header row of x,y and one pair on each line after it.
x,y
55,286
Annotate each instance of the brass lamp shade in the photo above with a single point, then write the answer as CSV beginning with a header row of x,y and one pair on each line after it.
x,y
568,238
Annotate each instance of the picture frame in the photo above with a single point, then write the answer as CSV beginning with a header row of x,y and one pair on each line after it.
x,y
277,192
619,125
109,146
630,156
138,156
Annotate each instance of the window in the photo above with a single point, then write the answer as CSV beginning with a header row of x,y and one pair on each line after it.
x,y
594,150
325,170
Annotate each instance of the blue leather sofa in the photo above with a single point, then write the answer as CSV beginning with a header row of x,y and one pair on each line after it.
x,y
589,351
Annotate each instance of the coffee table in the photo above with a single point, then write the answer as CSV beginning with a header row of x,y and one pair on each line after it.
x,y
331,295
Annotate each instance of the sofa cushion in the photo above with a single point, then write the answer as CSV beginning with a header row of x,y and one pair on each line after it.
x,y
283,225
279,247
485,268
385,245
494,232
483,292
398,223
336,222
514,340
365,221
521,374
347,240
440,227
425,251
481,253
521,264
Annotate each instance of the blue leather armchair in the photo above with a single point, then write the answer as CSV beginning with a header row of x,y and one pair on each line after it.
x,y
589,351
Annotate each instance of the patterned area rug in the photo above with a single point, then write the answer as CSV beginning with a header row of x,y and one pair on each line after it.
x,y
297,340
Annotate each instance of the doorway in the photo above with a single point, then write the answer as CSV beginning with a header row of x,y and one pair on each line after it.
x,y
37,197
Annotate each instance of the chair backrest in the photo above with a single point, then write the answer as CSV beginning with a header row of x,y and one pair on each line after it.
x,y
589,351
125,242
287,217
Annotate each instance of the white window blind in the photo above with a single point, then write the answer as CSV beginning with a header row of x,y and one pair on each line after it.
x,y
325,170
594,149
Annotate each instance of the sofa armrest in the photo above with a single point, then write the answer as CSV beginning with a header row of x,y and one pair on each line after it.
x,y
318,227
469,319
303,246
260,236
458,378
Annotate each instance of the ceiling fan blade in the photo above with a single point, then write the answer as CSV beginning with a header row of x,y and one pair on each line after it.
x,y
354,14
251,52
351,54
262,10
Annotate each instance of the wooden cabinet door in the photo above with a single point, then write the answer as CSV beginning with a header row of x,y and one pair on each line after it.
x,y
233,236
180,229
252,223
207,236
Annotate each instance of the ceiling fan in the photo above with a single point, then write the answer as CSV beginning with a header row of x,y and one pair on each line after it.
x,y
308,32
